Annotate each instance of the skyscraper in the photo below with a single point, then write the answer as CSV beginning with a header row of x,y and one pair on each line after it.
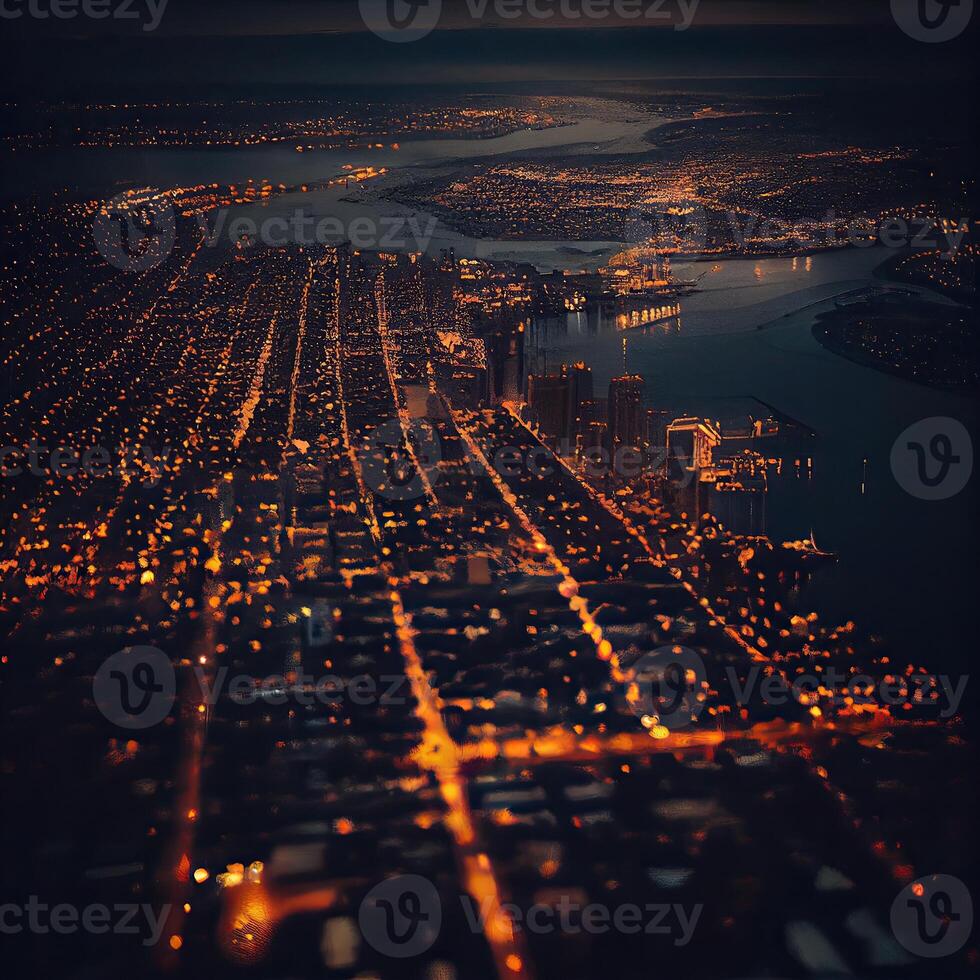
x,y
690,445
655,421
547,402
625,410
579,391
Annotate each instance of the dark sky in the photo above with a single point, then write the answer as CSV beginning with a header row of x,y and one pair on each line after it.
x,y
271,17
205,46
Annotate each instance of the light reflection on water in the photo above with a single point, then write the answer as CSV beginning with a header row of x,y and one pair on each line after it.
x,y
605,318
893,548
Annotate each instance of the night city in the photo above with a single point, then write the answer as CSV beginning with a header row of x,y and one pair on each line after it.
x,y
487,489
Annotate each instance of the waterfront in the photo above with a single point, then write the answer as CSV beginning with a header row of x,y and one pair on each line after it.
x,y
713,353
338,670
717,355
154,166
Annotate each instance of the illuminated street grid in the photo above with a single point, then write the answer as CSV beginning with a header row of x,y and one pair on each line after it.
x,y
510,764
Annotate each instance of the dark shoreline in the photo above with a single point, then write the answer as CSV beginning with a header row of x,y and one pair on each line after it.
x,y
886,269
824,327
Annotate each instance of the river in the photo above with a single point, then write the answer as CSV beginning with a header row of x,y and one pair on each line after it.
x,y
902,560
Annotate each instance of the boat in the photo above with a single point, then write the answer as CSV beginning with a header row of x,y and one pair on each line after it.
x,y
808,550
